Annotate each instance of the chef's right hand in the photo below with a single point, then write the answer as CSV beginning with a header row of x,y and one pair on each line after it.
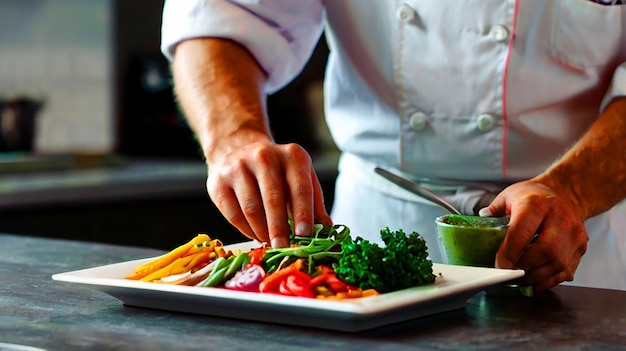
x,y
259,185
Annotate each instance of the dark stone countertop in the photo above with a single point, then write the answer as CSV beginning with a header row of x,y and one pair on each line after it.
x,y
40,312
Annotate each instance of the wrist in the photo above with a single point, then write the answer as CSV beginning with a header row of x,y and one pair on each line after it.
x,y
567,186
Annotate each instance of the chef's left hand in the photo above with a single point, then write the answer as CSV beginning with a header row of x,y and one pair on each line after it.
x,y
561,241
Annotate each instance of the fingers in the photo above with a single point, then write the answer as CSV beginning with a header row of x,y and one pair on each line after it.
x,y
236,194
259,186
548,276
319,208
554,256
546,237
307,202
553,272
522,229
301,199
226,202
496,208
273,223
306,196
255,193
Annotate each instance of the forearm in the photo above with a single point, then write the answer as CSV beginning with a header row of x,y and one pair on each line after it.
x,y
592,174
219,86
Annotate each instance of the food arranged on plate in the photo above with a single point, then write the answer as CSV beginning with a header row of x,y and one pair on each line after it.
x,y
327,265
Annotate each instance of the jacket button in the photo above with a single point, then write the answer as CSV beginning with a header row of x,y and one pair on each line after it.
x,y
405,13
485,122
418,120
499,33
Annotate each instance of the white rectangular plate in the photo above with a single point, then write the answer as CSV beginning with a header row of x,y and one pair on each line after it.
x,y
454,285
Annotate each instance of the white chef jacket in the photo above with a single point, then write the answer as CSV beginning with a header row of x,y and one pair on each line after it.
x,y
488,91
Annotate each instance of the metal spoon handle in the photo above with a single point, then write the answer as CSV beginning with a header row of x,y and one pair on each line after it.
x,y
416,189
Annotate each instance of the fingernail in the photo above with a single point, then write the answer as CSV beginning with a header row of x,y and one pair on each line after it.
x,y
279,242
485,212
303,229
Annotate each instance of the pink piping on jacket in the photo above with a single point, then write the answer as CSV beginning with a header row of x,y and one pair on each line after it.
x,y
504,91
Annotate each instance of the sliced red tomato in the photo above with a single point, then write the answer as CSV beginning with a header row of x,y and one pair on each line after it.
x,y
283,289
299,286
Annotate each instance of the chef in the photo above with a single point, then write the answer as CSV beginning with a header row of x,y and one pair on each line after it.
x,y
504,107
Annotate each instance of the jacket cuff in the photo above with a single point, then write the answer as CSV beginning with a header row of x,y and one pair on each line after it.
x,y
617,87
281,35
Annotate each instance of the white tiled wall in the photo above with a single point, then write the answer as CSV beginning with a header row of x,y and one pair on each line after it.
x,y
61,51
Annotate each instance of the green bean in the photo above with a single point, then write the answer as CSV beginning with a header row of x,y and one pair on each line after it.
x,y
236,265
216,277
220,268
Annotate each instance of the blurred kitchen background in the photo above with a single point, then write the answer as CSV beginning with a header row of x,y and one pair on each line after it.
x,y
92,144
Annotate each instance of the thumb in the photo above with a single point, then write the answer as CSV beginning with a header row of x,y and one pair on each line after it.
x,y
496,208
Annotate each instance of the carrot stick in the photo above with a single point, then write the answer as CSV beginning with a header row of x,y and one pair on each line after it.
x,y
204,246
199,258
161,262
176,267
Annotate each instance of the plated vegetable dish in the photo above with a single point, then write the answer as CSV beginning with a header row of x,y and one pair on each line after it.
x,y
327,265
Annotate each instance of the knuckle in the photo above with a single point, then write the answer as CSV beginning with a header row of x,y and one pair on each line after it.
x,y
551,249
276,228
302,214
543,203
536,202
569,224
234,218
262,155
297,153
250,208
582,249
582,237
220,199
216,188
236,167
565,269
219,195
294,149
274,199
561,265
229,211
304,189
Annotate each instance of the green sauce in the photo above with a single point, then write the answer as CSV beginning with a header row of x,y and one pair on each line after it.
x,y
470,240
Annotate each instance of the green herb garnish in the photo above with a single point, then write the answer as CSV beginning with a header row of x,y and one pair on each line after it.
x,y
401,264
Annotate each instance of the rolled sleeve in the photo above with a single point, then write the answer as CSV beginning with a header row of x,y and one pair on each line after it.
x,y
617,87
280,34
